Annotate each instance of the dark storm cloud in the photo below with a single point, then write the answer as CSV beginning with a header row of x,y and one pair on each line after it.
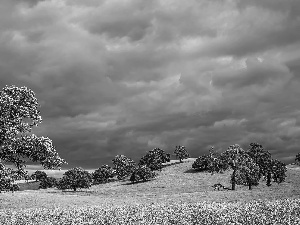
x,y
123,77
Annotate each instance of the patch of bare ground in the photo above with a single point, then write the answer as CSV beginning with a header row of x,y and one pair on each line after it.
x,y
175,183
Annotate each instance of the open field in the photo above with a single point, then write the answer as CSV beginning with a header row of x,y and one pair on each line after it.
x,y
176,185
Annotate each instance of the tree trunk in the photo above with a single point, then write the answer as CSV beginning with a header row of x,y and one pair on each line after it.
x,y
74,188
233,180
269,179
180,160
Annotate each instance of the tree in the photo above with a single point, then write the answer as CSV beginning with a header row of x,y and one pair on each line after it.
x,y
235,157
39,175
123,166
154,159
248,173
181,153
19,114
260,157
213,162
103,174
48,182
75,178
297,159
142,173
278,170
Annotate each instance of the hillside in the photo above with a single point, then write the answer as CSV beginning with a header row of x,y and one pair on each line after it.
x,y
175,183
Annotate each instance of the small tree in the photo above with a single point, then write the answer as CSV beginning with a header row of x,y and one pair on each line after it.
x,y
103,174
235,157
297,159
181,153
278,170
75,178
248,173
48,182
19,114
213,162
123,166
142,173
39,175
154,159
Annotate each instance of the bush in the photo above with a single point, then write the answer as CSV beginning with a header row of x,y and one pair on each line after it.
x,y
154,159
75,178
103,174
142,173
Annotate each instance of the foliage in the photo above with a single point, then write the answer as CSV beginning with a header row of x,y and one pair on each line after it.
x,y
142,173
278,170
154,159
123,166
235,156
39,175
213,162
297,159
75,178
284,211
181,153
248,173
103,174
48,182
261,157
19,114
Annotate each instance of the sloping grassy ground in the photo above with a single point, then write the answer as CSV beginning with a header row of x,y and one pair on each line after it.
x,y
176,188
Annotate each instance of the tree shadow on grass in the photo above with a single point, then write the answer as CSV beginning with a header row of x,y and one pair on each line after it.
x,y
139,182
192,171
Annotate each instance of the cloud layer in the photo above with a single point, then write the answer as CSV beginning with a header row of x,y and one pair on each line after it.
x,y
123,77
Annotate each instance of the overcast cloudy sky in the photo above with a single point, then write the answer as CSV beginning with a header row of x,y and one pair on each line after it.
x,y
123,77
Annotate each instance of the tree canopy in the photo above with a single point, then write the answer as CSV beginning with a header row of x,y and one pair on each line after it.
x,y
123,166
154,159
18,115
181,153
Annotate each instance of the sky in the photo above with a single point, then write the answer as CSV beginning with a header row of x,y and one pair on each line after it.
x,y
126,76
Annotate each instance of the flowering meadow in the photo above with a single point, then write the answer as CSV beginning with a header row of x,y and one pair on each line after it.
x,y
285,211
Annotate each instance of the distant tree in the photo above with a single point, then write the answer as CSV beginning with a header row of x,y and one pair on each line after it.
x,y
278,171
201,163
248,173
260,157
235,157
142,173
75,178
181,153
39,175
103,174
123,166
297,159
19,114
48,182
213,162
155,158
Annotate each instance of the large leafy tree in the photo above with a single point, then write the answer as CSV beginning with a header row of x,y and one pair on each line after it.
x,y
235,156
39,175
155,158
103,174
181,153
248,173
123,166
18,115
261,157
75,178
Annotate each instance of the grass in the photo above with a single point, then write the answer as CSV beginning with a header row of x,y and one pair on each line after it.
x,y
175,185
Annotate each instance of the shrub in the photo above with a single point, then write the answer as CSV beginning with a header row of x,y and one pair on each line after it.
x,y
103,174
142,173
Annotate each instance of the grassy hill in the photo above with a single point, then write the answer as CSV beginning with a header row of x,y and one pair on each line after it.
x,y
176,183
